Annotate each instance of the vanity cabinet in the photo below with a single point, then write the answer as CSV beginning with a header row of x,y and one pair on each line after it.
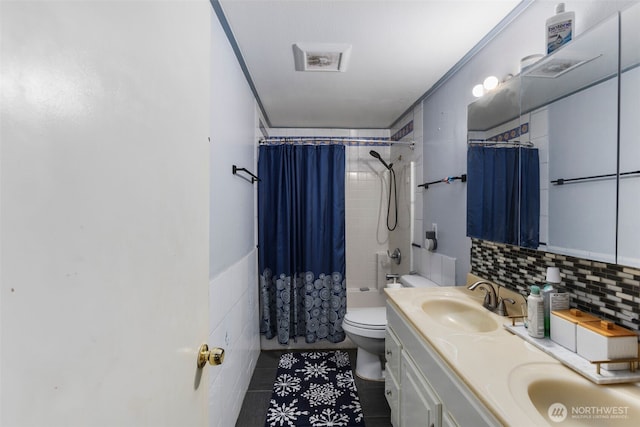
x,y
392,374
422,390
419,404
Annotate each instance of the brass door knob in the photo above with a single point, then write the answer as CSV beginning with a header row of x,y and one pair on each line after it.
x,y
215,356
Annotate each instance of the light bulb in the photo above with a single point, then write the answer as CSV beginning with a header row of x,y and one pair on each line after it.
x,y
490,82
478,91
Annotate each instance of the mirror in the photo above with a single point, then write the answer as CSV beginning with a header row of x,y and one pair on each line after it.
x,y
570,100
566,104
629,202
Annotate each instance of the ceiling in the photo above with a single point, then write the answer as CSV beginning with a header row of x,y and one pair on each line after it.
x,y
400,49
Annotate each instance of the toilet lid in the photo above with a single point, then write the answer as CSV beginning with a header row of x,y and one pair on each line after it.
x,y
369,317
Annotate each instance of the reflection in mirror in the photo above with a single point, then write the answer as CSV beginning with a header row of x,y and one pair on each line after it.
x,y
629,204
577,129
494,108
503,188
567,107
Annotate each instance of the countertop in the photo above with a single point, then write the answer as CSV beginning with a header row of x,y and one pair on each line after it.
x,y
499,367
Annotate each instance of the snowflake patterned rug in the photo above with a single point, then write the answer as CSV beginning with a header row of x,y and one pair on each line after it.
x,y
315,389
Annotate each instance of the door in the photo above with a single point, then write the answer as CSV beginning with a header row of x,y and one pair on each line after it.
x,y
104,213
419,405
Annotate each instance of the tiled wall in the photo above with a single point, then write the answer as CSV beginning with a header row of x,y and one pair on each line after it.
x,y
609,291
366,186
437,267
234,326
410,198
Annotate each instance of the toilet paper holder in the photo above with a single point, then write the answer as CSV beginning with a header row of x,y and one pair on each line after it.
x,y
431,243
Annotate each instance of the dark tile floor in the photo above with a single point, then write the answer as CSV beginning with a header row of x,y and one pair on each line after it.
x,y
256,401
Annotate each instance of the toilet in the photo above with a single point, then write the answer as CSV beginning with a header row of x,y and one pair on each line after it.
x,y
366,328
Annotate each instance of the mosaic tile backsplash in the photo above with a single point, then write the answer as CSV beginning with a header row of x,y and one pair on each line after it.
x,y
609,291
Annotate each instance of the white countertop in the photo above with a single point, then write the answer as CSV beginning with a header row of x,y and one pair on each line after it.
x,y
499,366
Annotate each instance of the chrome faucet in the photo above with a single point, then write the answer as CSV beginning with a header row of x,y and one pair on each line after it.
x,y
501,309
396,255
490,297
492,301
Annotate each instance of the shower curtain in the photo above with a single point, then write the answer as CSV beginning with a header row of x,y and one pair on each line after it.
x,y
301,236
503,195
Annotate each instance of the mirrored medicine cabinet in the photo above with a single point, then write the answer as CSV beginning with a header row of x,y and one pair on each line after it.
x,y
579,107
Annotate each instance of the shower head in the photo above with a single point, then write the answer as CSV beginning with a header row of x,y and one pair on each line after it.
x,y
377,156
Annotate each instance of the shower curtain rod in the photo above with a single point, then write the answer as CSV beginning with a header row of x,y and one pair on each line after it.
x,y
335,139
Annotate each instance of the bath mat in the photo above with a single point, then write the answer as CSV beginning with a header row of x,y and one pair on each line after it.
x,y
315,389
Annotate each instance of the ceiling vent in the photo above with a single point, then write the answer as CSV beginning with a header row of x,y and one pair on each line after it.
x,y
321,56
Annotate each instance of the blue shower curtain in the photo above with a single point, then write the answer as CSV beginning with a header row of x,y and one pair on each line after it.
x,y
301,236
503,195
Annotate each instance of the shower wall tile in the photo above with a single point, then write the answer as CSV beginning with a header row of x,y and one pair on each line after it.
x,y
342,133
408,129
371,298
435,267
365,231
544,226
539,136
418,235
448,270
416,255
372,133
539,123
425,263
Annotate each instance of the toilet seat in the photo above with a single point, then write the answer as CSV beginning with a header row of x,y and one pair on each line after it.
x,y
368,322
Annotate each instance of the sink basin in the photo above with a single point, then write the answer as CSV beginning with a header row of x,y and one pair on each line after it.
x,y
459,315
557,395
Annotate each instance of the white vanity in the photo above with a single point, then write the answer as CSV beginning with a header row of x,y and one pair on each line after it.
x,y
414,372
451,362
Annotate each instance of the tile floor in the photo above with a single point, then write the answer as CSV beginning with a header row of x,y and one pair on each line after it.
x,y
256,401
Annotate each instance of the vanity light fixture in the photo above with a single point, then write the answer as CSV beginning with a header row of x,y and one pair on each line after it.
x,y
487,85
490,83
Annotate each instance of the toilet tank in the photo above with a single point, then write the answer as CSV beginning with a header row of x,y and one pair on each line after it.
x,y
416,281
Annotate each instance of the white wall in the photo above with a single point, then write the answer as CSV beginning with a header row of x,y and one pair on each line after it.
x,y
233,288
445,115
